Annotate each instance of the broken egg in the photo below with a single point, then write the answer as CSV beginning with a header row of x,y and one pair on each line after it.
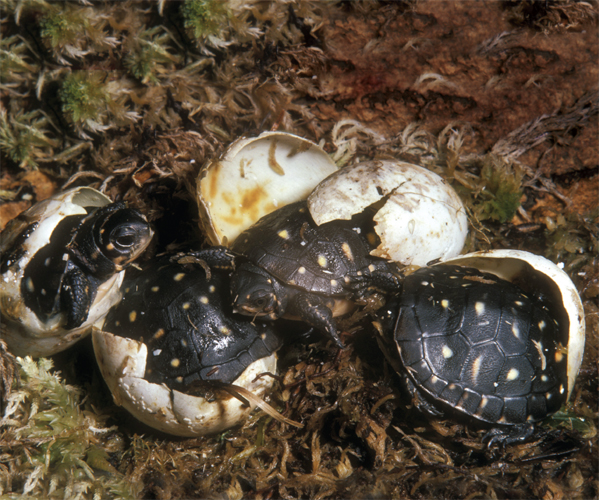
x,y
254,177
122,362
420,219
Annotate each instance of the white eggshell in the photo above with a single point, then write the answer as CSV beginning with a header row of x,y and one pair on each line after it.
x,y
253,178
122,363
518,265
20,328
422,218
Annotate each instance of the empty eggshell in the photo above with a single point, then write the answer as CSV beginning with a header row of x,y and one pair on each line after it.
x,y
422,218
253,178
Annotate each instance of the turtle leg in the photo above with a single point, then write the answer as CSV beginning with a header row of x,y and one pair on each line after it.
x,y
418,399
218,257
75,297
518,433
380,276
313,310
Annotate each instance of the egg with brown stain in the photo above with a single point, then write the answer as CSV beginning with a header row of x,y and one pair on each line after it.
x,y
255,177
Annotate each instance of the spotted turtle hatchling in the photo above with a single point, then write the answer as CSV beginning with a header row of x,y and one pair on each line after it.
x,y
478,346
294,268
61,266
172,342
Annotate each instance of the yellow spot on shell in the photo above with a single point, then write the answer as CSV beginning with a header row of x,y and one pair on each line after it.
x,y
155,288
29,285
283,234
186,306
224,330
110,246
322,261
301,270
447,352
479,307
204,299
132,316
512,374
558,356
159,333
516,330
445,303
175,362
347,251
476,368
179,276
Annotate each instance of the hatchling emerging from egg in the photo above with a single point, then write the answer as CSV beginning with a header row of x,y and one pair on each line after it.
x,y
62,263
481,348
290,267
172,347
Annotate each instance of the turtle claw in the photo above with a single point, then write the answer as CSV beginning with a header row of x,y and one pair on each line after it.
x,y
503,437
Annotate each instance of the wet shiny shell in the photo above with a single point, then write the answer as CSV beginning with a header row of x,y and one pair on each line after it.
x,y
288,245
174,333
481,345
22,330
537,275
421,219
254,177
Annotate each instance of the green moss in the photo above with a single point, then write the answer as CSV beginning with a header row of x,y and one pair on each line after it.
x,y
63,27
500,190
51,447
148,55
83,95
25,138
204,17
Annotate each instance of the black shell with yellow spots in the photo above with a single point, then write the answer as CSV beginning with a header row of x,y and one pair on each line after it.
x,y
326,259
182,313
480,345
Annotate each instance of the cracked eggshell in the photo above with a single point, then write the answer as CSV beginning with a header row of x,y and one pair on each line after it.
x,y
422,218
21,329
253,178
538,275
122,363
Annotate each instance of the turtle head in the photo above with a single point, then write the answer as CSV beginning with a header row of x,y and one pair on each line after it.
x,y
123,235
109,239
255,292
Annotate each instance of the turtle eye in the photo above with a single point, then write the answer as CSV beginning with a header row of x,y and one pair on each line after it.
x,y
126,240
124,237
261,302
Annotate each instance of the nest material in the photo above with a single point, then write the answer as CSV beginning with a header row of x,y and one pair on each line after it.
x,y
132,98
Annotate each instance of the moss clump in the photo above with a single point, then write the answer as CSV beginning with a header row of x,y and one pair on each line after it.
x,y
500,190
149,54
63,27
204,17
51,447
25,139
83,95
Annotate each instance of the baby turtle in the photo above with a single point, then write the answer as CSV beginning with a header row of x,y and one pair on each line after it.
x,y
479,346
61,266
294,268
172,344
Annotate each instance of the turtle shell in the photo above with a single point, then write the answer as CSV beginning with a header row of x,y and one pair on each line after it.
x,y
290,246
184,318
479,344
